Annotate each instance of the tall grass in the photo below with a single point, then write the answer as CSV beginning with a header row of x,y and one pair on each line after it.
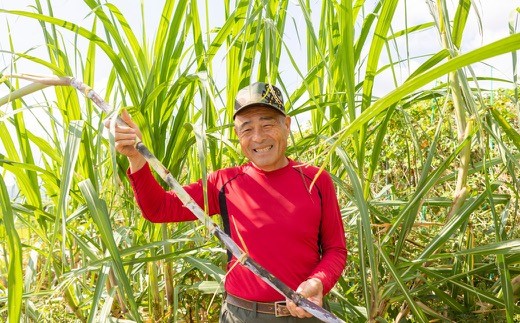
x,y
426,173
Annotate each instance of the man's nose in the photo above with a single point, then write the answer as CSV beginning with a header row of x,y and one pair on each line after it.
x,y
258,134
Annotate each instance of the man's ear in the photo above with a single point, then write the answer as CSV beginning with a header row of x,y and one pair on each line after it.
x,y
288,122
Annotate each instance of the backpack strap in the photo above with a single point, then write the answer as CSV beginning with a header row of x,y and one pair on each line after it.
x,y
224,214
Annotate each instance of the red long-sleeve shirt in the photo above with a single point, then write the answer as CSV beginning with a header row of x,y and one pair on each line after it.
x,y
289,225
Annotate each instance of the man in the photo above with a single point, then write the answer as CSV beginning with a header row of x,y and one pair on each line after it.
x,y
280,211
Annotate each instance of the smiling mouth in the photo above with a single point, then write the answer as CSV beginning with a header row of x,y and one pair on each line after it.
x,y
262,150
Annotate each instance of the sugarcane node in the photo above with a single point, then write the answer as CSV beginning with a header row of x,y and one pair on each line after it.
x,y
143,150
87,91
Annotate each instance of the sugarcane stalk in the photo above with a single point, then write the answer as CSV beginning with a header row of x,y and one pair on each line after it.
x,y
186,199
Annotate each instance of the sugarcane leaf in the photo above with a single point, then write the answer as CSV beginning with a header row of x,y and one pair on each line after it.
x,y
14,248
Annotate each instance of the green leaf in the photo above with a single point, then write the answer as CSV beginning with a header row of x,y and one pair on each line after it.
x,y
14,248
495,248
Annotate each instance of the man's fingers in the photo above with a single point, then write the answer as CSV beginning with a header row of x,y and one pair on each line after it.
x,y
125,116
125,131
124,143
125,138
297,311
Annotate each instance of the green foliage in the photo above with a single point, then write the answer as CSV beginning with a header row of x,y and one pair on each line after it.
x,y
426,176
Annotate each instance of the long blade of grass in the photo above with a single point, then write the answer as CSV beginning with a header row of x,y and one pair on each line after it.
x,y
14,247
494,248
67,175
98,293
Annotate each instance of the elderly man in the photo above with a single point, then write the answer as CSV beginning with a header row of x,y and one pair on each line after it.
x,y
270,207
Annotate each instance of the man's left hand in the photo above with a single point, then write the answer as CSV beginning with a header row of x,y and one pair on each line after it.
x,y
311,289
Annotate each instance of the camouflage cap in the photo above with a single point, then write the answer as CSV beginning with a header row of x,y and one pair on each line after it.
x,y
259,94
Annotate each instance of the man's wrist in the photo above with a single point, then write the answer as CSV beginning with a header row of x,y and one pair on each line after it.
x,y
136,163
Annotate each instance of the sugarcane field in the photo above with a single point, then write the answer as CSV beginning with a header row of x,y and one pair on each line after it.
x,y
259,161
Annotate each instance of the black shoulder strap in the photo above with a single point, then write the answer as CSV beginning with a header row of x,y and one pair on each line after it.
x,y
224,214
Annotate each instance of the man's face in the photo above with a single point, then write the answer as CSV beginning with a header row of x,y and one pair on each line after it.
x,y
263,134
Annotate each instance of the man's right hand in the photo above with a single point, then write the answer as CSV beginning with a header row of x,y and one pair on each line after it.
x,y
125,138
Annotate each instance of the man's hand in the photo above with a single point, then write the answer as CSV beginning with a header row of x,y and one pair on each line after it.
x,y
125,139
311,289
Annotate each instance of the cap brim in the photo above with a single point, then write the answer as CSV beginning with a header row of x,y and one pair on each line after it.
x,y
258,104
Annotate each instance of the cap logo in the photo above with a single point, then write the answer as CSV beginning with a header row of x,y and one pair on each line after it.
x,y
271,96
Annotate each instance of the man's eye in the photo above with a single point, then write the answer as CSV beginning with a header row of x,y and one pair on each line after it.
x,y
246,130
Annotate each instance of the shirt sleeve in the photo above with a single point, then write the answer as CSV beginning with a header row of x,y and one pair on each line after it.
x,y
158,205
332,233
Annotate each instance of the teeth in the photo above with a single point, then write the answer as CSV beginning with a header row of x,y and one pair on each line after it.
x,y
263,149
